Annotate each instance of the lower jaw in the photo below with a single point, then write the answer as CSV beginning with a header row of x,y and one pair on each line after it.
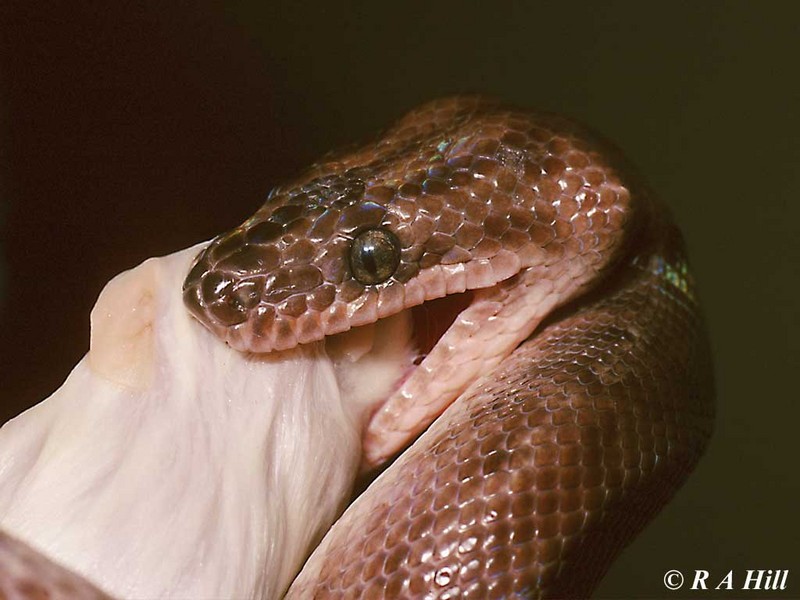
x,y
430,320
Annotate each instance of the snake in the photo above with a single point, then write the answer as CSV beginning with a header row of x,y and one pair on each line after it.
x,y
563,389
561,386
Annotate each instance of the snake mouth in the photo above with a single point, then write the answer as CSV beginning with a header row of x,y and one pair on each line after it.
x,y
433,318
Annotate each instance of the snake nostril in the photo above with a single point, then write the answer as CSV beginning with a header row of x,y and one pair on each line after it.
x,y
248,292
218,292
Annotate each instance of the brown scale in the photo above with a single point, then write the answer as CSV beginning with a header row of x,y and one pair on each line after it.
x,y
536,478
455,181
539,474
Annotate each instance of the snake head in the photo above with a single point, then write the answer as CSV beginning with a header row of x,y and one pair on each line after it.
x,y
512,213
573,360
282,277
336,253
459,195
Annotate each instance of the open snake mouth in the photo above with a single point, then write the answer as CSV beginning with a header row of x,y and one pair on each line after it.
x,y
429,322
432,318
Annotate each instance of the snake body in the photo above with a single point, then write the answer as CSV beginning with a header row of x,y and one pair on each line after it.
x,y
575,379
560,389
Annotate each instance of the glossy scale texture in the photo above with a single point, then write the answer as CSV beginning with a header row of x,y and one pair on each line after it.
x,y
554,455
537,477
585,395
469,189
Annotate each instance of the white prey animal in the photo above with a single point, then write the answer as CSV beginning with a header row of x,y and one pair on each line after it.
x,y
169,465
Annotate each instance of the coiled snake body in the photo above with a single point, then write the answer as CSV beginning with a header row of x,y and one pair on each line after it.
x,y
576,369
559,387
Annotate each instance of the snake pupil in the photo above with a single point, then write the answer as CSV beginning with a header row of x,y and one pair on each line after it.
x,y
374,256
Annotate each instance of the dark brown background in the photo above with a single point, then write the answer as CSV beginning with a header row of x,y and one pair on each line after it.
x,y
131,130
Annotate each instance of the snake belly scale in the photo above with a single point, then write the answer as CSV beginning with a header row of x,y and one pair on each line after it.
x,y
563,406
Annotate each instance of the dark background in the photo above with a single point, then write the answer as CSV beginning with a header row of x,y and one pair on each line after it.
x,y
131,130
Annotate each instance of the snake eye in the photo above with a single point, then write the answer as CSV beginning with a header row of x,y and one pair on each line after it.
x,y
374,256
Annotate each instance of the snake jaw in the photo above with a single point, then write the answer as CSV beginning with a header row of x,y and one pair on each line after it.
x,y
494,323
524,209
253,312
561,435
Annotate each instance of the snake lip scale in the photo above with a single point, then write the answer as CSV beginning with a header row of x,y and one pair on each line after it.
x,y
576,368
